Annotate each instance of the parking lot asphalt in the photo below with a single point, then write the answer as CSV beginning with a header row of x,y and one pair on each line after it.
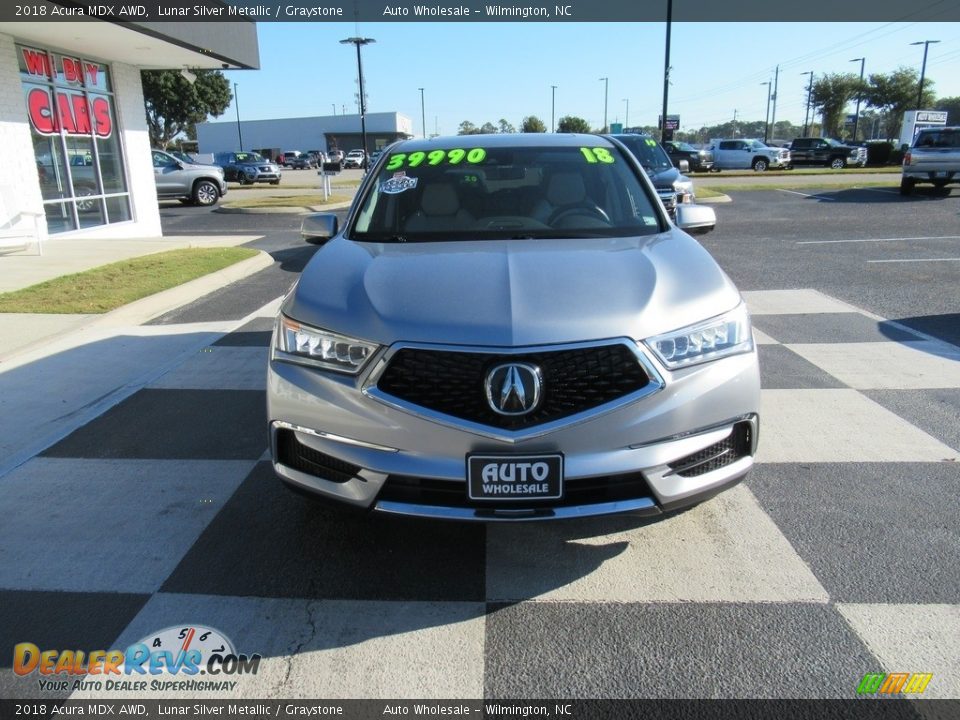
x,y
840,554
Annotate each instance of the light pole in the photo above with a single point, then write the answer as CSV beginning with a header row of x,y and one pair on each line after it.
x,y
809,90
856,117
358,41
423,115
236,104
766,119
923,68
553,107
626,118
606,87
334,105
666,72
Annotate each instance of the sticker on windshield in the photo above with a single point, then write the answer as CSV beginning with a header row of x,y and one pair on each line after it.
x,y
436,157
398,184
595,155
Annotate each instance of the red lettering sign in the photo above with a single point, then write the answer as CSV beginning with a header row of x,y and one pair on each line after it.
x,y
72,70
73,114
38,63
92,70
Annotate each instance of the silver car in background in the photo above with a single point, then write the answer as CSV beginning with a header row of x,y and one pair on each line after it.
x,y
510,328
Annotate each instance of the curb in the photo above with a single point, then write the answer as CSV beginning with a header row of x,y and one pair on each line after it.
x,y
718,199
145,309
280,209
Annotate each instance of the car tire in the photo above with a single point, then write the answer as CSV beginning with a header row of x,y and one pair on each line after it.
x,y
760,165
837,163
205,193
242,178
274,182
906,186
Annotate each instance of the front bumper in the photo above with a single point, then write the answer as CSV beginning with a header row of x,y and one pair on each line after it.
x,y
692,437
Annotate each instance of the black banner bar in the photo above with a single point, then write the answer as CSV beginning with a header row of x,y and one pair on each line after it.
x,y
478,11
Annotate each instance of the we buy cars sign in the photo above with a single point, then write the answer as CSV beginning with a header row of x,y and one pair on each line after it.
x,y
73,112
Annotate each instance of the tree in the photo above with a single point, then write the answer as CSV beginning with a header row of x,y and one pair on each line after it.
x,y
506,127
830,95
892,95
174,105
532,124
467,128
572,124
488,128
952,106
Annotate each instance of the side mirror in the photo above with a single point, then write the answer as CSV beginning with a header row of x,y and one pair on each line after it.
x,y
684,166
318,227
696,219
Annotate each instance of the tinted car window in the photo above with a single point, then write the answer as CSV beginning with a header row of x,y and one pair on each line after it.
x,y
505,192
938,138
647,151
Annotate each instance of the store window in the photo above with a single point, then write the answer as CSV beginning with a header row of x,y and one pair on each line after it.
x,y
72,114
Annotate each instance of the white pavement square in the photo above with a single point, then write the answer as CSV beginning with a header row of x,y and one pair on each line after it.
x,y
839,426
725,550
793,302
887,365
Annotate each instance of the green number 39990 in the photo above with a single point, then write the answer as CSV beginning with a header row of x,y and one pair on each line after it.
x,y
436,157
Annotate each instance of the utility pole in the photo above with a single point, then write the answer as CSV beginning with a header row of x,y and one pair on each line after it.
x,y
923,68
734,122
553,108
236,103
606,87
773,116
423,115
358,41
856,118
809,90
666,72
766,120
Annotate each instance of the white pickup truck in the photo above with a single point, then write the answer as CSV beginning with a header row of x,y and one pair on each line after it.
x,y
934,158
741,153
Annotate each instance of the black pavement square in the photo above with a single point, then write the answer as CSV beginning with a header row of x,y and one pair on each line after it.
x,y
671,650
270,542
58,621
849,327
870,532
255,333
935,411
175,424
783,369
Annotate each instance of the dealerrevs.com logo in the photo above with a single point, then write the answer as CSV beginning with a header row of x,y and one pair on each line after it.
x,y
168,660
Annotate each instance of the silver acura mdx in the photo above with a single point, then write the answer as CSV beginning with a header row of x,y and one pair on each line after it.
x,y
509,327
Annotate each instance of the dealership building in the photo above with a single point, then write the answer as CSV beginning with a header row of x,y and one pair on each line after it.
x,y
305,133
73,123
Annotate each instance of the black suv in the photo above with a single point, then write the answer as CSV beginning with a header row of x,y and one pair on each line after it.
x,y
671,186
247,168
826,151
697,160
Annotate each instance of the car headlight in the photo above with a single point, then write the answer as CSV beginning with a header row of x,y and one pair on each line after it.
x,y
305,345
683,187
722,336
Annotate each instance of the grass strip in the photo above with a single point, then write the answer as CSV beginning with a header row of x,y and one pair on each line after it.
x,y
801,188
107,287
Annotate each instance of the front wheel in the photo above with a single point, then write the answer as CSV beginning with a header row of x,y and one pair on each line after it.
x,y
838,164
760,165
274,182
205,193
906,186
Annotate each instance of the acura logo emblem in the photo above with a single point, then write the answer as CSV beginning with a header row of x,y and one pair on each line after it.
x,y
513,388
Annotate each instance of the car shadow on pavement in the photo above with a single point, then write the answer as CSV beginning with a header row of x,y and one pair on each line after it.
x,y
945,327
294,259
875,195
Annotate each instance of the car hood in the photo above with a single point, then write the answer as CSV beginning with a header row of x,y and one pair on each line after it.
x,y
511,292
665,177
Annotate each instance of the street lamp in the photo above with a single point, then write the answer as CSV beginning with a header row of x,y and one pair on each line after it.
x,y
923,68
553,107
626,118
358,41
809,90
606,87
236,104
856,117
766,119
423,115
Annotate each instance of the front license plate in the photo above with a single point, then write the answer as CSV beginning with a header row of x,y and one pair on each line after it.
x,y
515,477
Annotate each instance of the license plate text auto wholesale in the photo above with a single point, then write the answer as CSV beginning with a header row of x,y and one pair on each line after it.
x,y
515,477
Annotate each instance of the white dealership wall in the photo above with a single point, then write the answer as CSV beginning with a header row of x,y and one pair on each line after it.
x,y
303,133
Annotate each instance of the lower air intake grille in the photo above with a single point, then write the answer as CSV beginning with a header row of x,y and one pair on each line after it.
x,y
727,451
294,454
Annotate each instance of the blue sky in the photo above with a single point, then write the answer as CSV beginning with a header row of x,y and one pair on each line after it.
x,y
487,71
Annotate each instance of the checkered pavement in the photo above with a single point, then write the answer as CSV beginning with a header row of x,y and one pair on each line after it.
x,y
839,555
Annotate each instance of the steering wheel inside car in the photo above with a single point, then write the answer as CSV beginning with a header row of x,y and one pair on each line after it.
x,y
591,211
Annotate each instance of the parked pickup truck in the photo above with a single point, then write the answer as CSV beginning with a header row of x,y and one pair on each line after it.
x,y
826,151
746,153
934,158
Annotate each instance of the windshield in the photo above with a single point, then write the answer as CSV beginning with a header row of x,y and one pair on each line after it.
x,y
647,151
249,158
477,193
686,147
